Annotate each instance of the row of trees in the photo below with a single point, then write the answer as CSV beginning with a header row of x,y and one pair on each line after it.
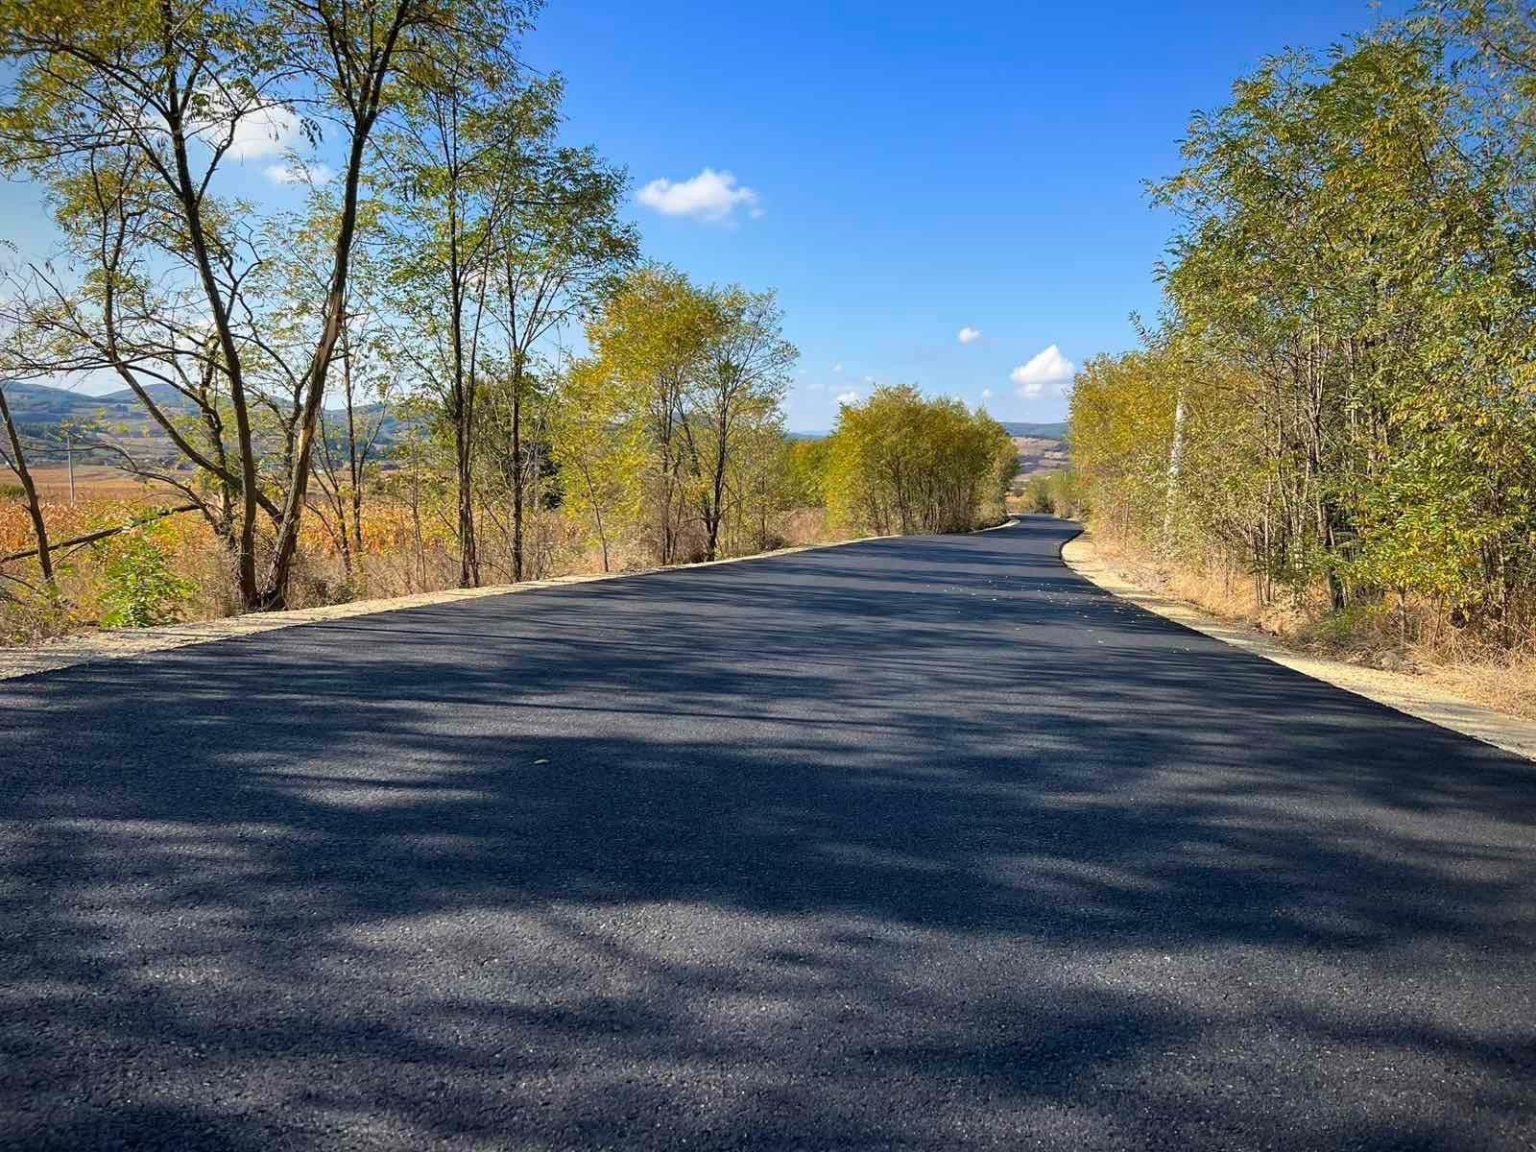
x,y
400,336
672,426
399,341
902,463
130,116
1342,396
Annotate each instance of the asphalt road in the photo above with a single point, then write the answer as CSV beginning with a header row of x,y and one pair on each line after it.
x,y
919,843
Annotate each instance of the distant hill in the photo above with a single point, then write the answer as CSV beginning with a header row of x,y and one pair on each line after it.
x,y
1057,431
1016,428
42,411
42,407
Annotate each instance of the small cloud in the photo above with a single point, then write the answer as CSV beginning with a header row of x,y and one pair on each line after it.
x,y
986,393
838,368
1049,367
267,131
848,397
968,335
299,173
711,196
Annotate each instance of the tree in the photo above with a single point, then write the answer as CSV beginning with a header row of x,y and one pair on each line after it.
x,y
902,463
738,388
649,340
561,248
447,159
597,451
1340,399
128,115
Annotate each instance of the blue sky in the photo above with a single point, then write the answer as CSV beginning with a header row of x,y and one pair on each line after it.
x,y
899,172
919,168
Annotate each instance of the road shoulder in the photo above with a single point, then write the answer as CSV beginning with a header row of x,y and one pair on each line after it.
x,y
1405,693
127,643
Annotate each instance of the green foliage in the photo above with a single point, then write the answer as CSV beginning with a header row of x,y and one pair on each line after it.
x,y
902,463
805,473
1053,494
130,118
673,425
1341,398
142,591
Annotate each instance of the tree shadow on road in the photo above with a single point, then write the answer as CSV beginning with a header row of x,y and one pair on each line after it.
x,y
922,843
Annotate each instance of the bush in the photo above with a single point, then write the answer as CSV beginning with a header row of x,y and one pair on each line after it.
x,y
142,591
1037,495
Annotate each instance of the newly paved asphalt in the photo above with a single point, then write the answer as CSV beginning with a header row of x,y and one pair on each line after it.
x,y
919,843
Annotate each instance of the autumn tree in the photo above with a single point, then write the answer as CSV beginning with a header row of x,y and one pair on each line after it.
x,y
560,249
129,115
736,390
1340,401
902,463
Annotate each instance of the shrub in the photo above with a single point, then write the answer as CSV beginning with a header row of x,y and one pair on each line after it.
x,y
142,591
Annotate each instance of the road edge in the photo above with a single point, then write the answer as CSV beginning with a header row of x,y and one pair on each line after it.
x,y
1403,693
126,644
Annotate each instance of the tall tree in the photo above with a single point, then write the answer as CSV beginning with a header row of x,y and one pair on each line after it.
x,y
562,248
129,114
650,339
738,387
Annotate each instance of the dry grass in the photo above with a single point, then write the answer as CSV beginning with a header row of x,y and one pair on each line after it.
x,y
1506,684
1224,592
394,562
95,482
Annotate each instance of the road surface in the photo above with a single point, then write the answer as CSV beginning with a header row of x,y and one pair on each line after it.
x,y
920,843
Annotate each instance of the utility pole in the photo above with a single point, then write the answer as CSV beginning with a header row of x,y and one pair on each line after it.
x,y
69,456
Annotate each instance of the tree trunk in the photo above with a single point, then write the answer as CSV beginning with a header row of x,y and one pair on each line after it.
x,y
421,552
34,506
354,460
517,468
250,595
1175,464
469,558
597,512
274,594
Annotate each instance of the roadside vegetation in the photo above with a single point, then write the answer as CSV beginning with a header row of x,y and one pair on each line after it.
x,y
1333,428
451,366
900,463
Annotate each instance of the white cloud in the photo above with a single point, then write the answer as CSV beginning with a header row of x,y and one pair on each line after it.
x,y
711,195
838,368
968,335
849,397
266,131
297,173
1049,367
986,393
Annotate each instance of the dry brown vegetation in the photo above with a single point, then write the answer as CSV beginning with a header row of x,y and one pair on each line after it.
x,y
397,559
1404,637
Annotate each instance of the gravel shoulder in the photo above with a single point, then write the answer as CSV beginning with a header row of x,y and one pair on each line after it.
x,y
1405,693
